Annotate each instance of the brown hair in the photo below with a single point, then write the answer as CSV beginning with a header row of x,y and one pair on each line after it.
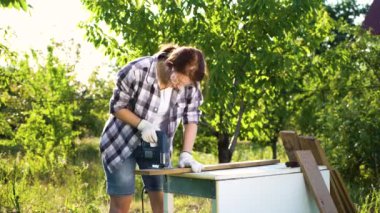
x,y
180,57
168,48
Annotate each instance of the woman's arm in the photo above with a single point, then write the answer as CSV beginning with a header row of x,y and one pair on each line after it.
x,y
128,117
185,158
126,87
190,134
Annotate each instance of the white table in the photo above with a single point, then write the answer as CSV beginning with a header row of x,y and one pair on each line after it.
x,y
273,188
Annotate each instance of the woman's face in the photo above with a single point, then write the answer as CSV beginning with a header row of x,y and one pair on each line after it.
x,y
179,80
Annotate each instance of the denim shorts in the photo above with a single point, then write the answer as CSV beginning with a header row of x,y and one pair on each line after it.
x,y
122,181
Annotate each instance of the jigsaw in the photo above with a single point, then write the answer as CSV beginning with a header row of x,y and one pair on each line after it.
x,y
158,155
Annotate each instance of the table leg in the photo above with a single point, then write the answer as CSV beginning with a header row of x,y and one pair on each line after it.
x,y
168,203
213,206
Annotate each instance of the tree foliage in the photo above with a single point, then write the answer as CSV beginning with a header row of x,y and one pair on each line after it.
x,y
340,104
347,10
343,104
254,51
274,65
37,108
93,107
17,4
42,110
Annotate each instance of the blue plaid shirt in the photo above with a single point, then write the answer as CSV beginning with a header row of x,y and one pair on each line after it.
x,y
137,89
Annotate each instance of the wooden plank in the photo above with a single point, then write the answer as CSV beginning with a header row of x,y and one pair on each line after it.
x,y
310,143
335,194
172,171
314,181
305,143
340,192
291,144
322,155
349,205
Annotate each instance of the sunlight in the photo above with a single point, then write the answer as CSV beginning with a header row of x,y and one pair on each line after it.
x,y
53,19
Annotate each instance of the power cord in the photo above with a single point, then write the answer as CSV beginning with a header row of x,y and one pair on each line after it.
x,y
142,199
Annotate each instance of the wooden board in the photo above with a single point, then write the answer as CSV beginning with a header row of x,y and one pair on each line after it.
x,y
335,194
322,155
176,171
343,192
291,144
314,181
310,143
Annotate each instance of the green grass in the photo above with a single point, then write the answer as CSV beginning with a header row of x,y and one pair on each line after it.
x,y
79,186
371,203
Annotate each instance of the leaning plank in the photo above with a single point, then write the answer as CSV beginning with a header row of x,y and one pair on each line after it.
x,y
314,180
322,154
336,194
349,205
310,143
291,144
175,171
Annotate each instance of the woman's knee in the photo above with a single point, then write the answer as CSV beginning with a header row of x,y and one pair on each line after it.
x,y
120,204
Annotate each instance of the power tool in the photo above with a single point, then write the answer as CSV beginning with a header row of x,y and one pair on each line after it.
x,y
158,155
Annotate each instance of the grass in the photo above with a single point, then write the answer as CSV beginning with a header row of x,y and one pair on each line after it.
x,y
79,186
371,203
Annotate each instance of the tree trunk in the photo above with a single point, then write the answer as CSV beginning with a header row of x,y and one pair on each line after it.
x,y
274,147
224,153
237,129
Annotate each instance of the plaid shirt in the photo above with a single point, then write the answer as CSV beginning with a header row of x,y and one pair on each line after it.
x,y
137,89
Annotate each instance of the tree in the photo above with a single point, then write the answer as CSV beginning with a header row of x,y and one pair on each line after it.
x,y
339,104
11,103
14,95
93,106
347,10
345,106
5,53
37,108
17,4
253,51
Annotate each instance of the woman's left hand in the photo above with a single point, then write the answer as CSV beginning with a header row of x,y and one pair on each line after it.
x,y
187,160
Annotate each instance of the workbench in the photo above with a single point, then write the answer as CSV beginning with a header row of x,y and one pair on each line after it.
x,y
271,188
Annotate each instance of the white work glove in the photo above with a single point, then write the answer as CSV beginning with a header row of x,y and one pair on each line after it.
x,y
187,160
148,131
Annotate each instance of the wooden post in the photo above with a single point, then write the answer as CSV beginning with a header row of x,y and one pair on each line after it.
x,y
310,143
291,144
315,182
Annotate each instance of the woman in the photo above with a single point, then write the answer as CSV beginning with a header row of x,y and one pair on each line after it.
x,y
152,93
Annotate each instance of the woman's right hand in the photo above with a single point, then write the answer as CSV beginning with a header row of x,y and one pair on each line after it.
x,y
148,131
